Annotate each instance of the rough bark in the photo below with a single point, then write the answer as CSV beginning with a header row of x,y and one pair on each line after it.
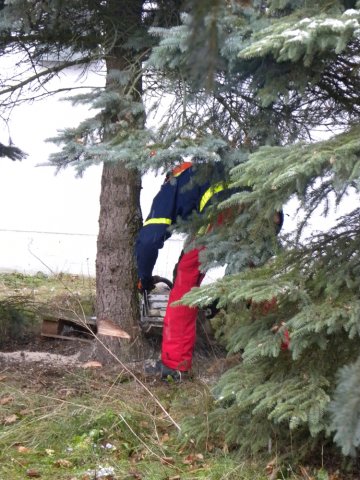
x,y
117,299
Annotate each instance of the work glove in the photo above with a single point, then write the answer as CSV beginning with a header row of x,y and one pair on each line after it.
x,y
145,285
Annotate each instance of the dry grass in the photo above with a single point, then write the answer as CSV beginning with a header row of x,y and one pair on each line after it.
x,y
24,300
67,423
63,426
54,291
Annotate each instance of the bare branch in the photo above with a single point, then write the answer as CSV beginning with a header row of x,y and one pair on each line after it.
x,y
50,72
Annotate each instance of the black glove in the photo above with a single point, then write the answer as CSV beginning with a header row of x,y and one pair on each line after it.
x,y
145,285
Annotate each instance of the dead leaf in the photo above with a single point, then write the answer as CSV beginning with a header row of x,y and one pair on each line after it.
x,y
49,451
33,473
3,377
10,419
164,438
92,364
272,469
177,477
63,463
6,400
167,460
26,411
22,449
193,458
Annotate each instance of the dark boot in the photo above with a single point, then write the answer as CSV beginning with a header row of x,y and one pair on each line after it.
x,y
166,374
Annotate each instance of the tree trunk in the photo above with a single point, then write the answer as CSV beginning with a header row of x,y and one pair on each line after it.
x,y
116,296
117,302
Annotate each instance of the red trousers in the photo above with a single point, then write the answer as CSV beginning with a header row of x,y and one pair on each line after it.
x,y
179,331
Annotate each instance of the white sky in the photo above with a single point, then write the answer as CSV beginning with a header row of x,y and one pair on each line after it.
x,y
35,201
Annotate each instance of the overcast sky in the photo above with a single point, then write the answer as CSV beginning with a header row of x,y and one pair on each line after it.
x,y
36,202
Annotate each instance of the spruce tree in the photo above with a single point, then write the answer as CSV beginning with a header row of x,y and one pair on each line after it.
x,y
251,83
293,68
90,34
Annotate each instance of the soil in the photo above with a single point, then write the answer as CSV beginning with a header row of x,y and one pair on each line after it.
x,y
38,359
41,354
50,357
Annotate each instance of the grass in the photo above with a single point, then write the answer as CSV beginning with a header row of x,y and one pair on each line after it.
x,y
79,424
25,299
58,291
85,422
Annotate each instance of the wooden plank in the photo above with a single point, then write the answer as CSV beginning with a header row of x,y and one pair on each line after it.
x,y
63,337
50,327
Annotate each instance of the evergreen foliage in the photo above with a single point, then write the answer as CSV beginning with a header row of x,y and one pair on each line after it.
x,y
250,85
282,71
46,38
18,315
345,409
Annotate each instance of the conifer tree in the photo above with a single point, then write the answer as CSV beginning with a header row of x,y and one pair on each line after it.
x,y
293,67
90,34
251,84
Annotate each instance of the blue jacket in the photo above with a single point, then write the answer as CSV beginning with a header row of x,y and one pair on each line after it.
x,y
180,195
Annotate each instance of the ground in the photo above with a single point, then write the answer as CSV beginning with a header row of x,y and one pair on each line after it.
x,y
65,417
68,419
71,296
40,354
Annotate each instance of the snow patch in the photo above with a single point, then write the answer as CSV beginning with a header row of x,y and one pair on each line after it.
x,y
351,12
297,35
332,23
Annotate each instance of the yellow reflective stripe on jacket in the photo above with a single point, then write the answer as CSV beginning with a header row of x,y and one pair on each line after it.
x,y
153,221
210,192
